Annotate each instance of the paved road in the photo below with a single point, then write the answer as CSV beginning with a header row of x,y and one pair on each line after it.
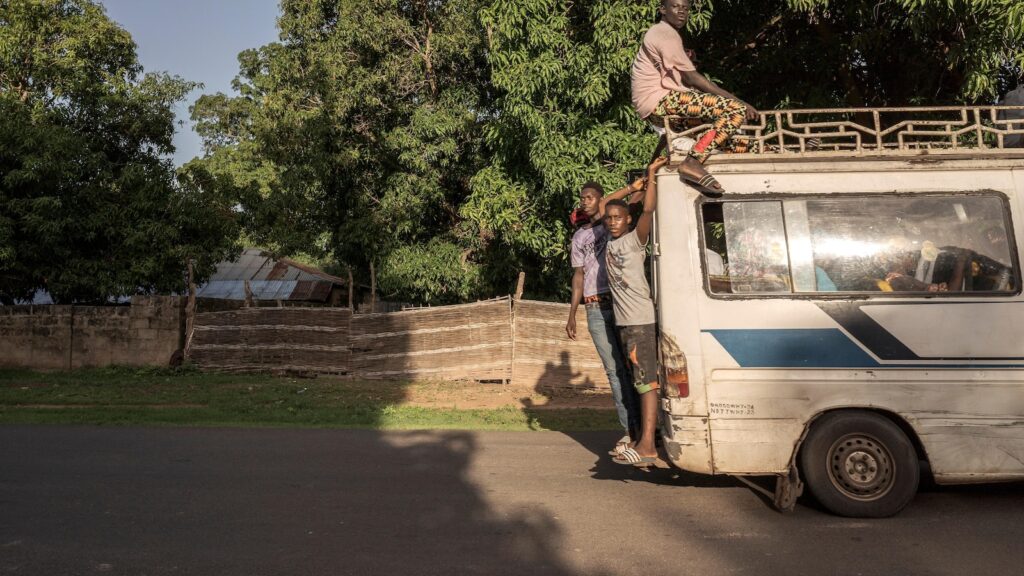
x,y
311,502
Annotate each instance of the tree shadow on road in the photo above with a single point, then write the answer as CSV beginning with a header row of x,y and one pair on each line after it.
x,y
599,442
564,398
232,501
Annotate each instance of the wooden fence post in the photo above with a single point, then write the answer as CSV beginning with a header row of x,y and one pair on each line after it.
x,y
373,288
512,331
190,311
351,287
520,284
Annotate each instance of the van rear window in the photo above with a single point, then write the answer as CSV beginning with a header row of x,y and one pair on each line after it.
x,y
920,244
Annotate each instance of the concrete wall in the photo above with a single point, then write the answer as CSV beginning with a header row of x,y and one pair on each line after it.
x,y
147,333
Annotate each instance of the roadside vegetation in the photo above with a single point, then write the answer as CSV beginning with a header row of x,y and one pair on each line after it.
x,y
188,397
462,128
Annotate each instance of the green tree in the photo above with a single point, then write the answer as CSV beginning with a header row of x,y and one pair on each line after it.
x,y
445,142
561,71
355,137
816,53
563,117
90,207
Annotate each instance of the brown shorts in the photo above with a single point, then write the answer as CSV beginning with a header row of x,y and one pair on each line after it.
x,y
639,344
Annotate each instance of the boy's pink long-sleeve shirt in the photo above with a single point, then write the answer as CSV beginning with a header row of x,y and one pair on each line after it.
x,y
658,67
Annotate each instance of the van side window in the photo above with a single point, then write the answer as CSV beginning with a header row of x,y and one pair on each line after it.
x,y
910,244
746,248
924,244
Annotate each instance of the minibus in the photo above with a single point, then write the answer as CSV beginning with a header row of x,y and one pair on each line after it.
x,y
847,315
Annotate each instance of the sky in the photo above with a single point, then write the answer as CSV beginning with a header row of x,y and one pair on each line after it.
x,y
198,40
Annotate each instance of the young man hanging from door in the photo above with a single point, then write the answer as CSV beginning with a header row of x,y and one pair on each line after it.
x,y
635,316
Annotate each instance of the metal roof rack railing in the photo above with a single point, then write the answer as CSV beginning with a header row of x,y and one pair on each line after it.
x,y
870,131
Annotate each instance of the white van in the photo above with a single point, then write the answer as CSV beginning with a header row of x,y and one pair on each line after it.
x,y
849,308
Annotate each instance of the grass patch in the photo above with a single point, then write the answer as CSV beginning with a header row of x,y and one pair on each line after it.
x,y
187,397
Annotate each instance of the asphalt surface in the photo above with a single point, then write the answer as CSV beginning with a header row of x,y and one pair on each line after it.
x,y
310,502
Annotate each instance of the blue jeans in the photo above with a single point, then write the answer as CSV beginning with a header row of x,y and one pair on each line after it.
x,y
601,325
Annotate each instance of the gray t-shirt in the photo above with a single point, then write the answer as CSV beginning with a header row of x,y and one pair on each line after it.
x,y
631,294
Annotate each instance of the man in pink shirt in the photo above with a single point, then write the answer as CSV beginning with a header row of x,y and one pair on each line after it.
x,y
666,83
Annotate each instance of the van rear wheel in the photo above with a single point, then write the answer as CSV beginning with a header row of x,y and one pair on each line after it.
x,y
860,464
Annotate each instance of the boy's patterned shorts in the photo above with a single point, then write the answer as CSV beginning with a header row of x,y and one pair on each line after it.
x,y
640,345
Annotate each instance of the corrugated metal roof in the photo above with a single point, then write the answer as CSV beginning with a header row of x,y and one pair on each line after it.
x,y
246,267
257,264
312,290
269,279
304,290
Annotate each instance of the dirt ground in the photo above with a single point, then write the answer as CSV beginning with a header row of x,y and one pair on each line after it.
x,y
470,395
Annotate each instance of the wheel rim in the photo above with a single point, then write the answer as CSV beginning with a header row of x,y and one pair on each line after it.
x,y
861,467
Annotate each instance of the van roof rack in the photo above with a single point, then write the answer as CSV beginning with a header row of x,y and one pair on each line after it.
x,y
907,131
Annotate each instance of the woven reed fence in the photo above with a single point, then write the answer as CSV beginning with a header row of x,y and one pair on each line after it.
x,y
463,342
518,342
273,339
545,357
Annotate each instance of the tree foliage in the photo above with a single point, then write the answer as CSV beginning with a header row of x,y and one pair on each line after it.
x,y
446,141
815,53
356,136
89,206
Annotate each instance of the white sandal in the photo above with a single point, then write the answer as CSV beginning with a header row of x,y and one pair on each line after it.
x,y
621,445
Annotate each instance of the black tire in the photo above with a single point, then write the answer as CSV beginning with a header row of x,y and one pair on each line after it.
x,y
859,464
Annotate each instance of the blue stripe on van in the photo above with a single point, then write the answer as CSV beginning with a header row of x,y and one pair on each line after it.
x,y
818,348
793,348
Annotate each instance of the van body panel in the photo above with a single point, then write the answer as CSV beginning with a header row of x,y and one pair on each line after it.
x,y
965,446
755,446
969,421
996,336
905,181
688,443
1018,180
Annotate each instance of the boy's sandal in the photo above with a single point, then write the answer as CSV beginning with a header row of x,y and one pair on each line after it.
x,y
630,457
619,447
706,185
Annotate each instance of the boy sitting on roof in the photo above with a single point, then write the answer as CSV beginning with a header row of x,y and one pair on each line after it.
x,y
666,83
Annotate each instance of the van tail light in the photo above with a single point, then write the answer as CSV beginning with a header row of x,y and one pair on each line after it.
x,y
675,380
677,383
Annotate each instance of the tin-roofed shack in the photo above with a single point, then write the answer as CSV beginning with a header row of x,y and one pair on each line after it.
x,y
274,280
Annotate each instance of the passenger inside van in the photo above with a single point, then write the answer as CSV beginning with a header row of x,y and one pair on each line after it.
x,y
997,247
949,269
927,270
